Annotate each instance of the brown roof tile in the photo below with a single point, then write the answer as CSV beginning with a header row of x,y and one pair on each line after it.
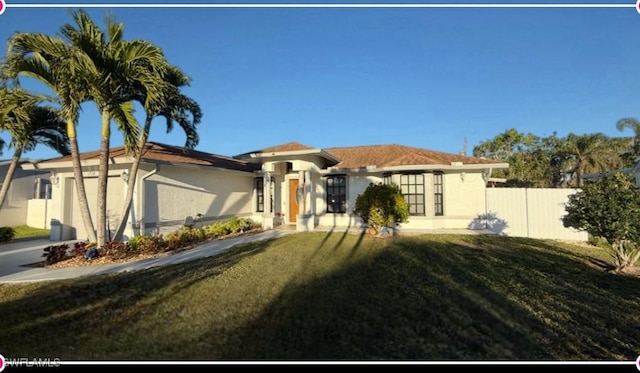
x,y
173,154
288,147
396,155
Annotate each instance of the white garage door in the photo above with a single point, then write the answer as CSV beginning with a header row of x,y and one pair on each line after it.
x,y
115,196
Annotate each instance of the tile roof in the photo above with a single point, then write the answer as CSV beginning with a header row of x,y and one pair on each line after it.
x,y
173,154
288,147
397,155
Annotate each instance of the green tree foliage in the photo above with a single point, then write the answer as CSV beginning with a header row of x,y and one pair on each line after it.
x,y
530,157
382,205
552,161
86,64
632,155
29,123
174,106
590,153
609,207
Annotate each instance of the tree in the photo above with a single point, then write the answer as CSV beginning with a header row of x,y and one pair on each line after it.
x,y
591,153
58,66
119,70
174,107
382,205
505,145
530,157
609,208
29,125
634,125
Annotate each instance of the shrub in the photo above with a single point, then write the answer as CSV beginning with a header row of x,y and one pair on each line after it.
x,y
234,225
115,250
146,244
382,205
216,230
238,225
55,253
80,248
6,234
184,237
609,207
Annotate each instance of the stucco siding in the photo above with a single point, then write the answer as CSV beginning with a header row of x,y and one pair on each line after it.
x,y
464,195
14,209
174,193
39,213
115,199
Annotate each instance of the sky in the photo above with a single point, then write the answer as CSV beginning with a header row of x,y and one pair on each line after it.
x,y
334,76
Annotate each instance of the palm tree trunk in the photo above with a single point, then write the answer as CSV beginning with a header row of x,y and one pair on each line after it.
x,y
9,176
79,181
103,177
133,172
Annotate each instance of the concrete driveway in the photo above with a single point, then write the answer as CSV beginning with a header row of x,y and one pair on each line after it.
x,y
15,256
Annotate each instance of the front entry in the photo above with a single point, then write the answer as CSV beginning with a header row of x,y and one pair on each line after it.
x,y
293,200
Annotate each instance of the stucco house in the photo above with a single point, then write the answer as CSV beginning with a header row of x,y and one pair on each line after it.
x,y
631,171
291,184
27,184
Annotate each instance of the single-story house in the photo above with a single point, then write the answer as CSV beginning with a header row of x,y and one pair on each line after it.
x,y
290,184
631,171
27,184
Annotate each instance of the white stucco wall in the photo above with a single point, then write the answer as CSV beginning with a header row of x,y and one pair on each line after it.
x,y
14,209
64,206
463,200
173,193
39,213
356,184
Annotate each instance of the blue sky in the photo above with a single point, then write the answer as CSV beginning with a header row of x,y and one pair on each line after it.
x,y
424,77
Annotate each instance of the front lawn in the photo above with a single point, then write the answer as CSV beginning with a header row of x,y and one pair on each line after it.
x,y
25,231
334,296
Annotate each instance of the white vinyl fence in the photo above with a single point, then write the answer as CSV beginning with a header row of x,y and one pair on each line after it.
x,y
529,212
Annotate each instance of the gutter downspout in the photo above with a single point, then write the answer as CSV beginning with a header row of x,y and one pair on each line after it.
x,y
143,197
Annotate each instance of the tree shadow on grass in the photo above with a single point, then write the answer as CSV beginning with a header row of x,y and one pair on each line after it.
x,y
424,298
469,300
76,310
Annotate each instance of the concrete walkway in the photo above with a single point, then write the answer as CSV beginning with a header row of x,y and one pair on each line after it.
x,y
15,256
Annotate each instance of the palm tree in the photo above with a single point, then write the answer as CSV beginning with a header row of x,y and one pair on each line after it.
x,y
119,68
29,125
59,67
174,107
591,153
633,124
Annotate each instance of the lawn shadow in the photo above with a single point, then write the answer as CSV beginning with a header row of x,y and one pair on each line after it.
x,y
74,309
453,300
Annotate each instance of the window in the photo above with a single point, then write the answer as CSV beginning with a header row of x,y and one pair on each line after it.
x,y
437,194
412,188
42,189
260,195
336,194
386,179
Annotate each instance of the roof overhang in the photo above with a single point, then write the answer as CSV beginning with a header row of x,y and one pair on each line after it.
x,y
92,165
289,155
425,167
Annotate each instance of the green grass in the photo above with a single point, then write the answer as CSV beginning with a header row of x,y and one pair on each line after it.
x,y
24,231
322,296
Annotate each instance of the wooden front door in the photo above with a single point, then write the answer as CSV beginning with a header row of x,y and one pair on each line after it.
x,y
293,201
